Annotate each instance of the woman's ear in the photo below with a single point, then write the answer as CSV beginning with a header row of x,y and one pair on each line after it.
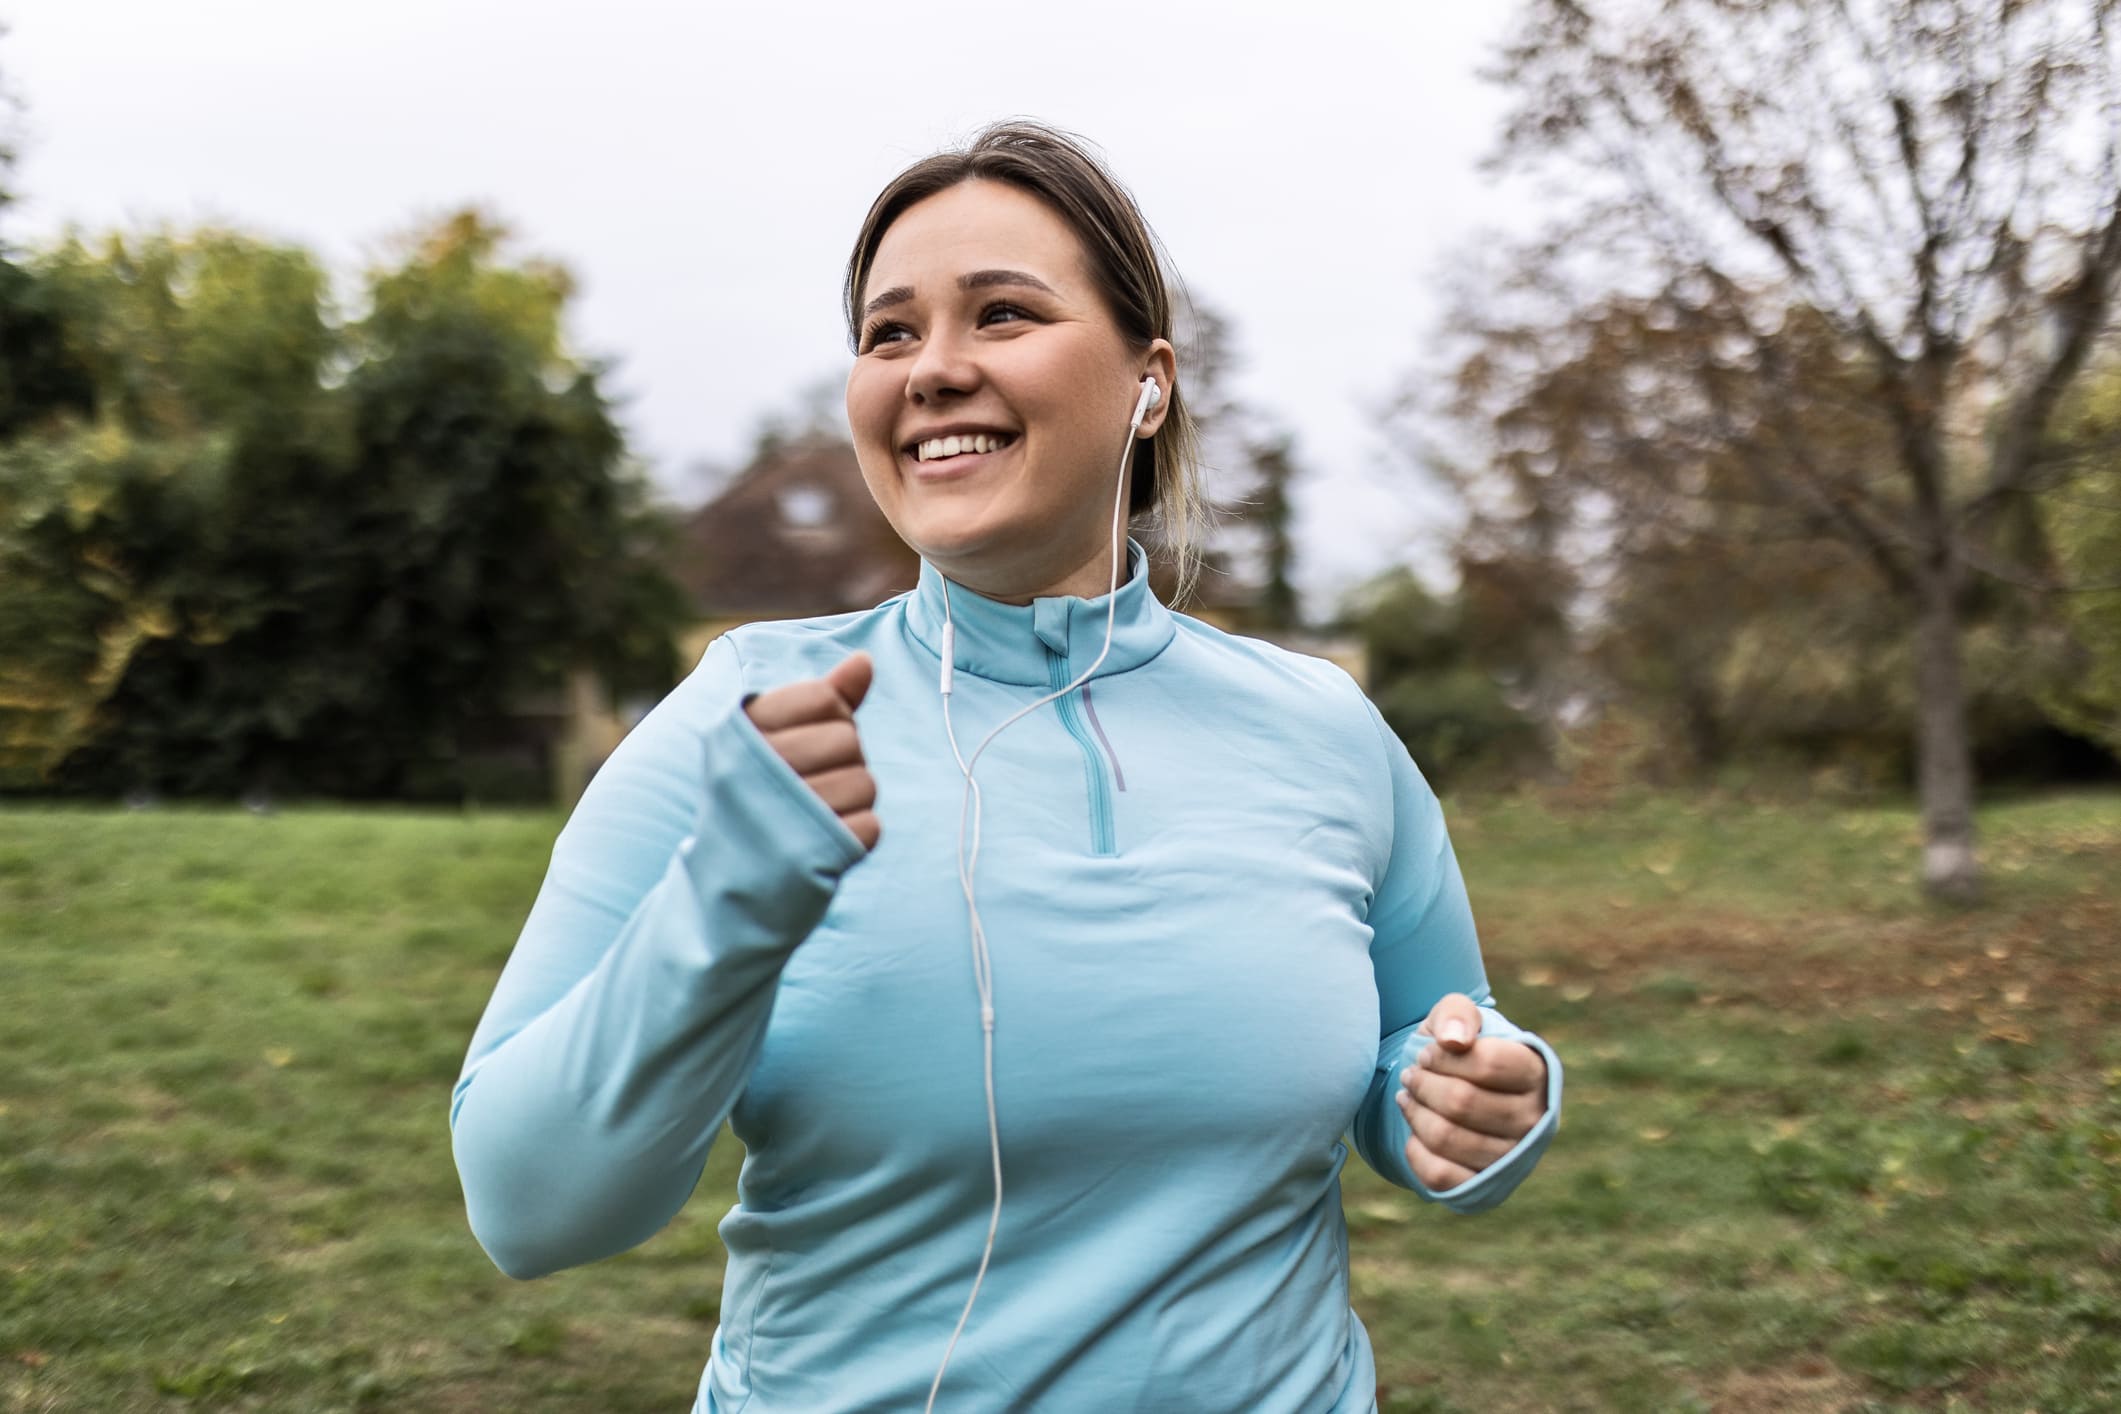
x,y
1160,363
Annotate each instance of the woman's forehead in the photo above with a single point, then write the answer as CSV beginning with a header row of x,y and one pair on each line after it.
x,y
972,227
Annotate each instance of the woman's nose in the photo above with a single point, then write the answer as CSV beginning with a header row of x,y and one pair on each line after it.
x,y
944,368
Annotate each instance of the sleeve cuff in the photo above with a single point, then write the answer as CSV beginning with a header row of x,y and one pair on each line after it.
x,y
749,782
1498,1180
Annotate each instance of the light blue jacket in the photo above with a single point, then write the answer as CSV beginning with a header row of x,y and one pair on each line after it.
x,y
1219,898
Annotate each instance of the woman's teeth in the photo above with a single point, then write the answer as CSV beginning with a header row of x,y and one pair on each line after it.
x,y
936,447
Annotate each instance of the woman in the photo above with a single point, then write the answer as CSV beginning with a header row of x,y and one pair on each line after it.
x,y
1200,892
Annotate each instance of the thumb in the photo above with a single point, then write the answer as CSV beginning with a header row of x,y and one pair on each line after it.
x,y
1454,1022
850,678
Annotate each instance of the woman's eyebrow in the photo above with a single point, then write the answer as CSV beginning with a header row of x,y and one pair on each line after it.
x,y
983,279
897,294
976,280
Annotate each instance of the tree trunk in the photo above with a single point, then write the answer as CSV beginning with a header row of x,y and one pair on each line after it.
x,y
1943,748
1703,722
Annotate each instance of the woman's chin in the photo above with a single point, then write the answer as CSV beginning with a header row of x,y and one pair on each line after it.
x,y
965,537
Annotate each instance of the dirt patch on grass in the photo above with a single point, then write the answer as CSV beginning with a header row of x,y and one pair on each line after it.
x,y
2057,971
1814,1387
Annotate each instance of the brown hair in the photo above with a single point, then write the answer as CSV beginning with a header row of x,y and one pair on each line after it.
x,y
1059,170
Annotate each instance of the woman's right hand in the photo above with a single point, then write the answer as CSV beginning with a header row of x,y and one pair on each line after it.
x,y
810,725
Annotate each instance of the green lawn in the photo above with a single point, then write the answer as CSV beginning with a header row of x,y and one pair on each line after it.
x,y
1824,1149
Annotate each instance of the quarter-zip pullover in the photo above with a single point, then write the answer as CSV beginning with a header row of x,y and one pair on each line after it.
x,y
1219,899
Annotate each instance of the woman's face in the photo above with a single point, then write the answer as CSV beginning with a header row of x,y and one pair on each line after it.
x,y
982,323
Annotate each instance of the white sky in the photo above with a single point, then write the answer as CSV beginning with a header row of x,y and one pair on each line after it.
x,y
702,167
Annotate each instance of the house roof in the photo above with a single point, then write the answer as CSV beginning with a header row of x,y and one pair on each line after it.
x,y
797,534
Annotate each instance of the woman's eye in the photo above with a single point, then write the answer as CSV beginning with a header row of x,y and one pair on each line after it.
x,y
995,313
882,333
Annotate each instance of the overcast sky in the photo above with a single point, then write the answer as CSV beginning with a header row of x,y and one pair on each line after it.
x,y
701,168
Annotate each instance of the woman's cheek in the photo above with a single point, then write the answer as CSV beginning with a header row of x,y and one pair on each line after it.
x,y
872,397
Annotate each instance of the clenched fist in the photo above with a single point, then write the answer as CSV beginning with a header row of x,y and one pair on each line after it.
x,y
1468,1098
811,725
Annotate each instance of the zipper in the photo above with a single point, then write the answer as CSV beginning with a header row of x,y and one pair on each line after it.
x,y
1104,839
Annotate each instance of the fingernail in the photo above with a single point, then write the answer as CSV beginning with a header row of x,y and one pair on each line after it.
x,y
1406,1077
1399,1097
1452,1030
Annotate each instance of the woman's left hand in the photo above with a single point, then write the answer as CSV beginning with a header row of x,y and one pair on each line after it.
x,y
1468,1098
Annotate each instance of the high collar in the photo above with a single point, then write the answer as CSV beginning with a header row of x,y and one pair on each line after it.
x,y
1015,643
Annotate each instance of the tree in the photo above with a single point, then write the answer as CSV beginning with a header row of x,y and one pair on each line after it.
x,y
1897,222
8,108
505,535
1273,467
331,549
39,375
1431,686
115,483
815,412
1713,614
75,604
37,378
1251,465
2084,521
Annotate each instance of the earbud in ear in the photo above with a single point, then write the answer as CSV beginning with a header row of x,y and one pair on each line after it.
x,y
1151,396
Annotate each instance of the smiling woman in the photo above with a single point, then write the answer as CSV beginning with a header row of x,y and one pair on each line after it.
x,y
1067,247
1043,1090
983,394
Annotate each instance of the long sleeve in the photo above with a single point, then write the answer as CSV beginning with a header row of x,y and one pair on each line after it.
x,y
1423,946
632,1010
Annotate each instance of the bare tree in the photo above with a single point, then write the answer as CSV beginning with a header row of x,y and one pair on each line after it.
x,y
1931,186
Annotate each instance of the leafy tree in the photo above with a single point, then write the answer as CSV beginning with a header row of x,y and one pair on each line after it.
x,y
39,375
1431,688
502,533
2084,521
1886,234
114,484
346,550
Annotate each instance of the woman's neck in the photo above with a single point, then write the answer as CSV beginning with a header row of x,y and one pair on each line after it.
x,y
1090,579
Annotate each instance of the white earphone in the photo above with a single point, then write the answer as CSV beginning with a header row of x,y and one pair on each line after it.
x,y
982,966
1152,394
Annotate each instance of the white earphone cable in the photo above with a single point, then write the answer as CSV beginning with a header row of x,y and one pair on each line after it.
x,y
971,804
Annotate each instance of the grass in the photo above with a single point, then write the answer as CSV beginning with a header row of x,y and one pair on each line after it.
x,y
1825,1149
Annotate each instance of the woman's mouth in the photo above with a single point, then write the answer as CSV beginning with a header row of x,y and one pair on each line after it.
x,y
941,457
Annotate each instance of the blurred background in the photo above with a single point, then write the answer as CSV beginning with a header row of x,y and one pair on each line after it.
x,y
1697,426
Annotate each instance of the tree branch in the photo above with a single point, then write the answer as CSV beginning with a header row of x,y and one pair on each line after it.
x,y
2083,306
